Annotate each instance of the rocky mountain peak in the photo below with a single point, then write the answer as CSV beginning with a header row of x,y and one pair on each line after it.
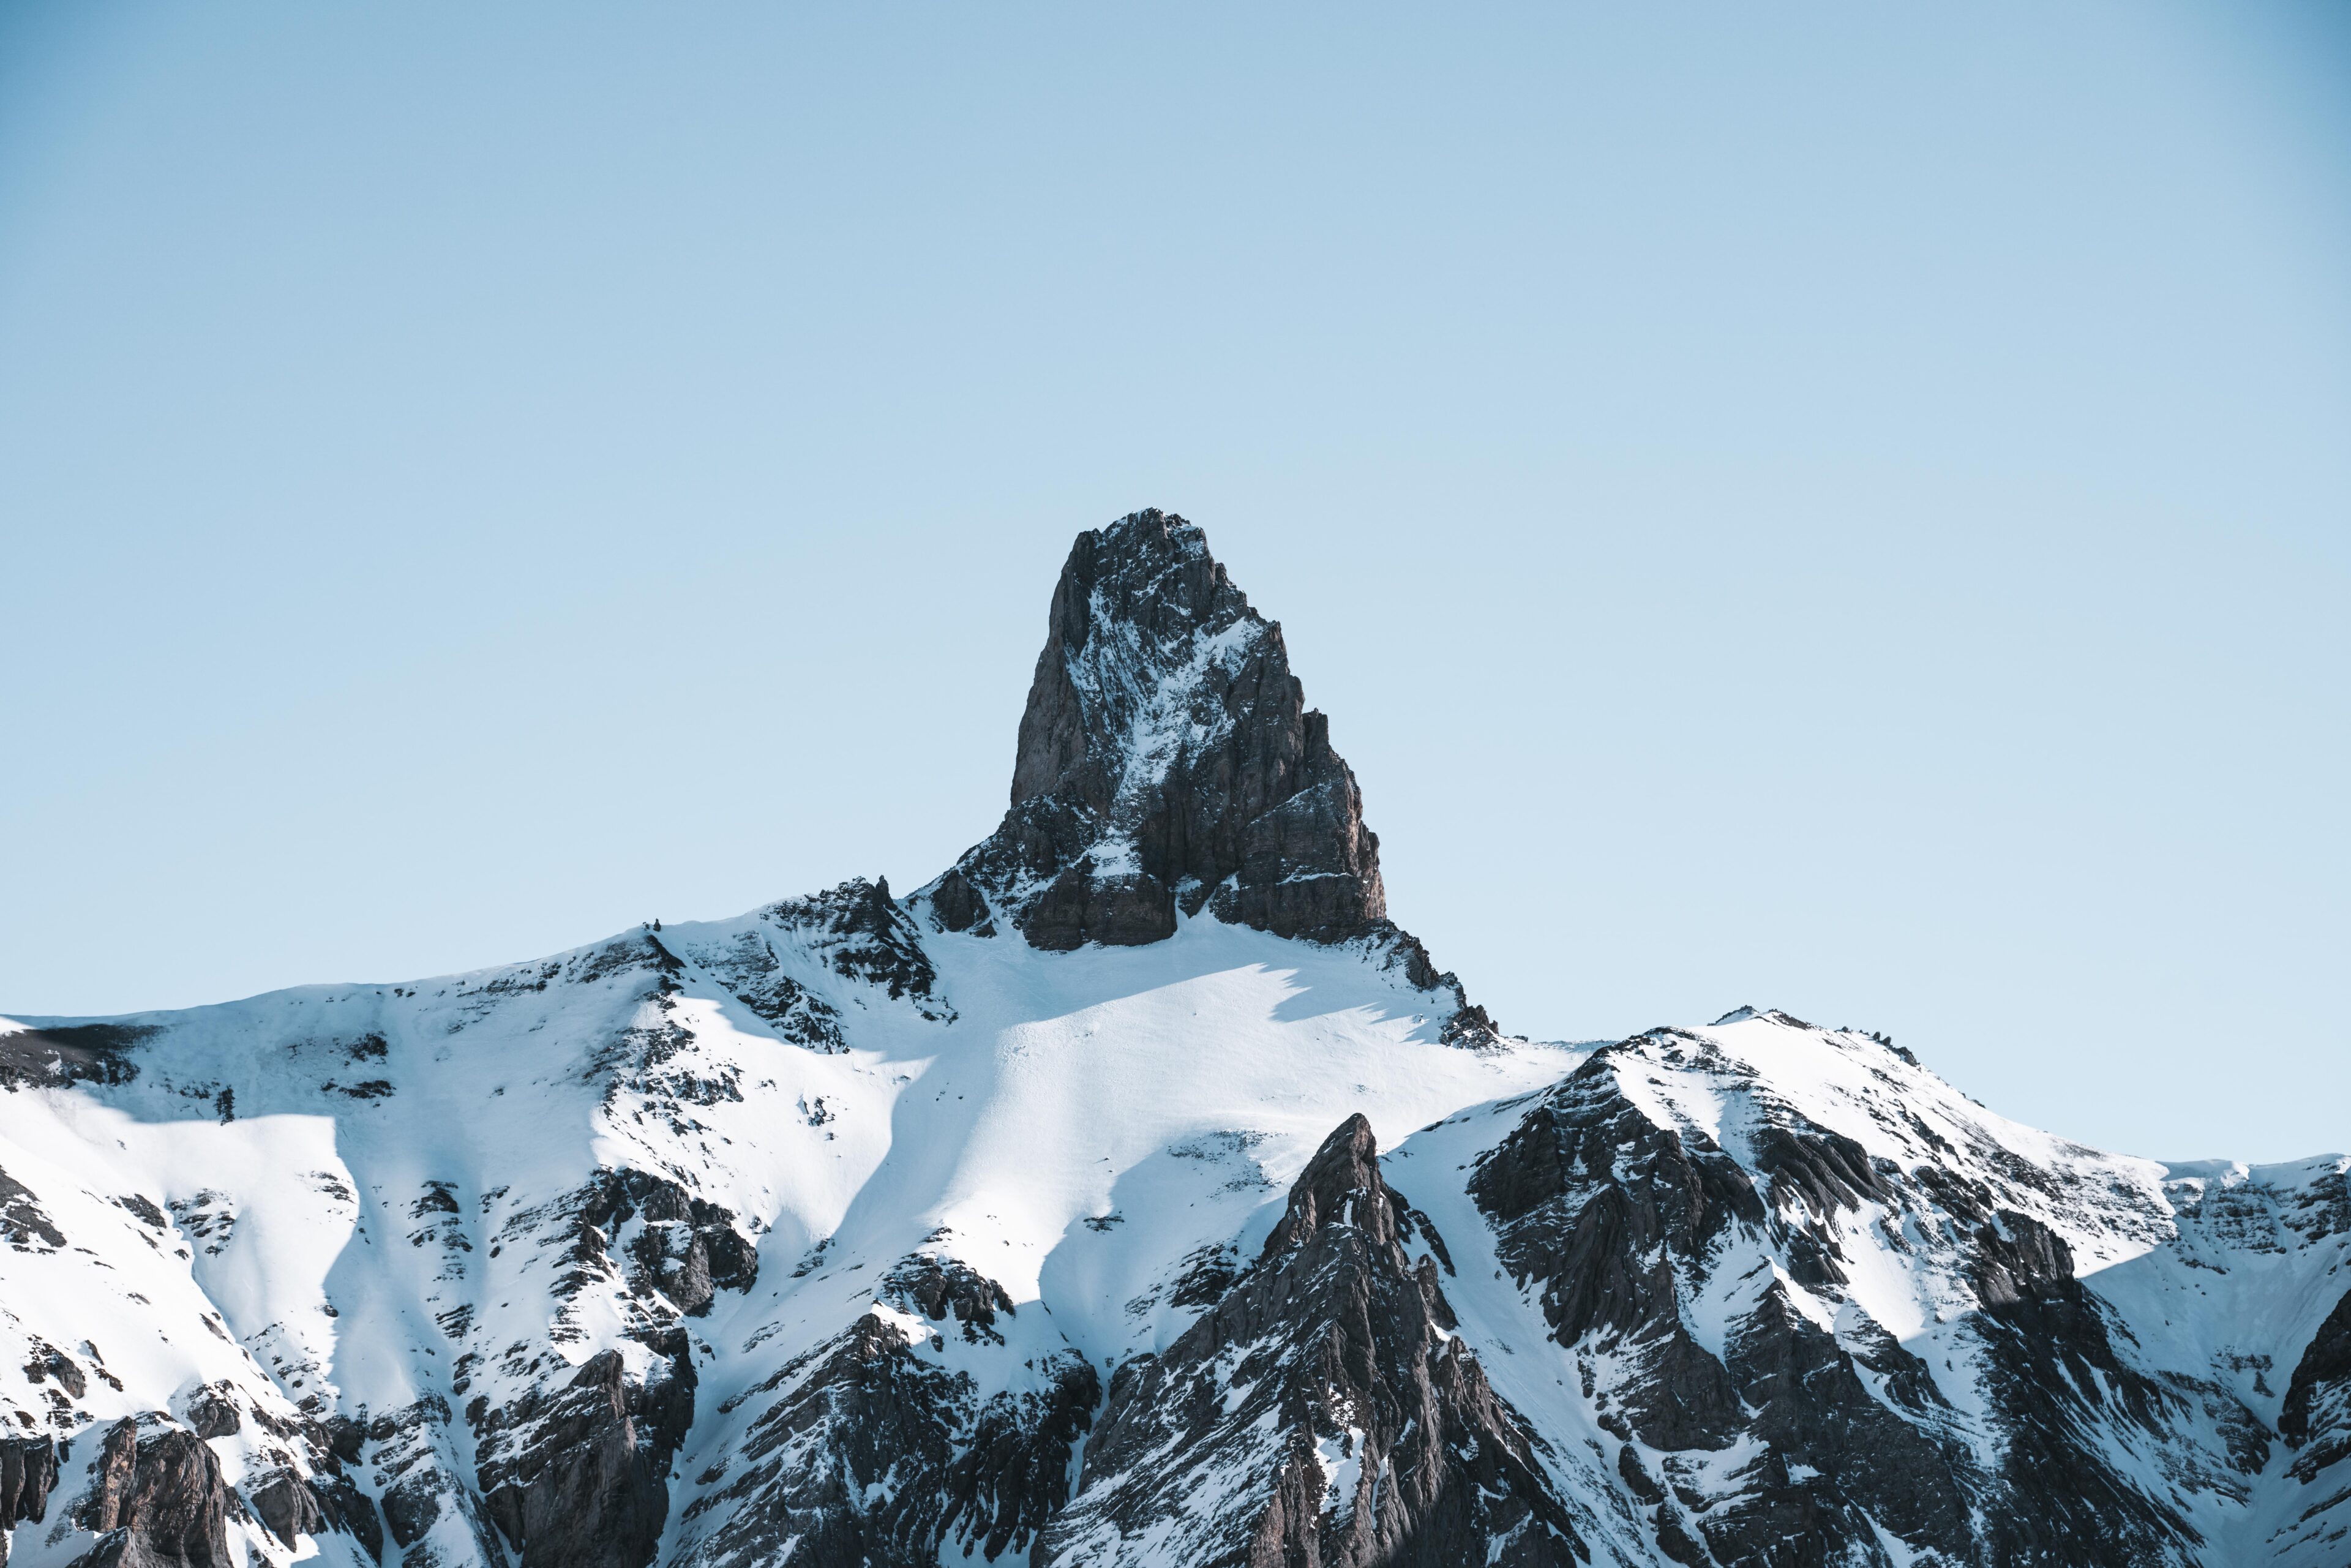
x,y
1167,760
1134,605
1342,1183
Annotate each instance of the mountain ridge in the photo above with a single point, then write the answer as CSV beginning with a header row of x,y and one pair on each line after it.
x,y
1134,1191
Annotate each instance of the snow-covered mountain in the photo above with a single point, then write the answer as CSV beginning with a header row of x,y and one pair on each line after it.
x,y
1135,1193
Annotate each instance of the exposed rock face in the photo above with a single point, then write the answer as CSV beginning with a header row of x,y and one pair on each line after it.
x,y
427,1503
23,1224
343,1506
864,935
2317,1419
1166,761
28,1470
2053,1364
1620,1218
580,1479
943,1289
285,1503
684,1247
1596,1200
1321,1413
876,1450
212,1411
857,932
158,1501
73,1053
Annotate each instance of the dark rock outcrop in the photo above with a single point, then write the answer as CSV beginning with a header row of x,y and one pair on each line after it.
x,y
578,1477
47,1363
942,1288
343,1506
876,1453
28,1473
71,1053
1167,760
158,1501
856,931
864,935
1013,1474
421,1482
1598,1203
687,1249
1321,1413
24,1224
865,1410
286,1505
2316,1417
2050,1365
681,1249
1810,1406
213,1412
1618,1221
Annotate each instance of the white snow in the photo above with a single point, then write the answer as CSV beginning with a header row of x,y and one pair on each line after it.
x,y
1081,1128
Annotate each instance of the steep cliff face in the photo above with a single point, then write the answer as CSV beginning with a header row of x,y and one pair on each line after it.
x,y
28,1468
1005,1222
1167,761
1321,1412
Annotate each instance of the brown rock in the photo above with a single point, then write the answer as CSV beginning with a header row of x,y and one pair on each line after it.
x,y
158,1499
28,1470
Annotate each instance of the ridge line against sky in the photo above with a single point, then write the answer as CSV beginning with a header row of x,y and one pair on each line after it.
x,y
1836,510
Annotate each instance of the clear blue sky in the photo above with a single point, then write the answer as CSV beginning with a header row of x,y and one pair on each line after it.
x,y
1847,508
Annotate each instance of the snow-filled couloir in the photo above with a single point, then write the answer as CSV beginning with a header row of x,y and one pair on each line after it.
x,y
1135,1193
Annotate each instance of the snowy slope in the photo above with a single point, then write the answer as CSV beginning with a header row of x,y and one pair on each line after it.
x,y
370,1185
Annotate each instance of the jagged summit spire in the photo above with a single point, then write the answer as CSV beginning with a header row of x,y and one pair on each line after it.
x,y
1135,601
1167,760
